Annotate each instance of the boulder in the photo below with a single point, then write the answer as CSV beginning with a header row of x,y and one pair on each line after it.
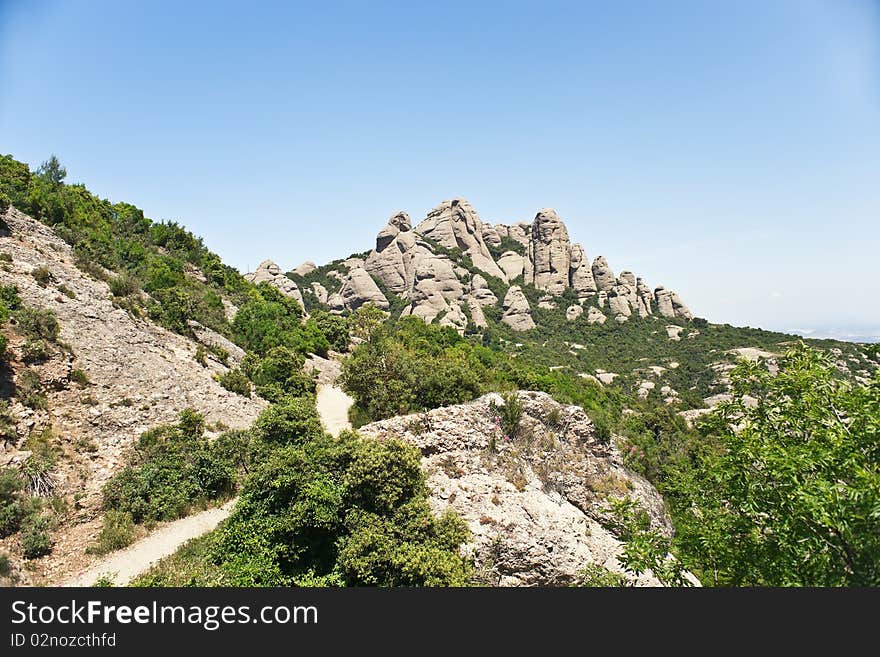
x,y
549,252
320,292
595,316
517,313
360,289
455,318
481,293
490,235
512,263
580,274
393,260
602,275
618,302
269,272
476,309
305,268
435,287
456,225
573,312
646,298
663,299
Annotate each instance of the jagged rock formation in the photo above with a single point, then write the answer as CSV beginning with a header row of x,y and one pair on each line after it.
x,y
549,252
517,313
536,504
359,289
455,224
393,260
269,272
407,262
305,268
573,312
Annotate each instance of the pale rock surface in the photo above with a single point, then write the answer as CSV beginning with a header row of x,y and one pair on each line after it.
x,y
549,252
476,310
517,313
305,268
393,260
573,312
602,275
595,316
512,263
360,289
269,272
580,273
481,293
531,505
455,224
320,292
435,287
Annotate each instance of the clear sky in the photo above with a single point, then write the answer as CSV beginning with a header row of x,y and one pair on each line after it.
x,y
728,150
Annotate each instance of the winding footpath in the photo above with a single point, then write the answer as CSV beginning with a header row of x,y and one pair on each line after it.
x,y
123,566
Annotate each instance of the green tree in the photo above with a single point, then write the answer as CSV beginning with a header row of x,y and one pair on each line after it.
x,y
787,489
52,172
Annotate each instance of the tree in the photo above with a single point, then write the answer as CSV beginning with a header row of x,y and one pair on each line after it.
x,y
52,171
787,490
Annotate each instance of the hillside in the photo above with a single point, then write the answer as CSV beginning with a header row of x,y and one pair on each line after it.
x,y
525,416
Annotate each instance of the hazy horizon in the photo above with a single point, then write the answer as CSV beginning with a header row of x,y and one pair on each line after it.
x,y
687,143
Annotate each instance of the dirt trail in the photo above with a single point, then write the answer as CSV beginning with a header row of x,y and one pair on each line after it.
x,y
124,565
333,405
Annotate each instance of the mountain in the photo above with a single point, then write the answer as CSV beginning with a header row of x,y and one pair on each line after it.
x,y
523,416
452,266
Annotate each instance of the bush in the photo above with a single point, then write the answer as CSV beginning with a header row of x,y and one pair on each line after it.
x,y
124,285
35,539
509,414
279,374
173,469
35,351
295,421
340,512
334,328
12,511
79,377
37,324
201,356
42,276
116,533
235,381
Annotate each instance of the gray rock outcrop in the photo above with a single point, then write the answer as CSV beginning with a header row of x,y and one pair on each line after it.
x,y
305,268
573,312
595,316
435,287
360,289
580,274
393,259
269,272
602,275
517,313
549,252
535,515
455,224
481,293
512,263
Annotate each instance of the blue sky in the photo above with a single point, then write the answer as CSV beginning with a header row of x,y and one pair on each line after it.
x,y
729,150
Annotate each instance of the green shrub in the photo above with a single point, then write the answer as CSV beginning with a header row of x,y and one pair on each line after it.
x,y
42,276
116,533
35,351
35,539
201,356
278,374
124,285
29,390
596,576
37,324
508,415
294,421
12,510
340,512
173,469
5,565
79,377
334,328
66,291
235,381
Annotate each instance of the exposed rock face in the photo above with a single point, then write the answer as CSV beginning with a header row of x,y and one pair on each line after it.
x,y
455,224
602,275
646,298
669,304
618,302
627,278
580,274
518,232
481,293
320,292
512,263
141,375
393,259
490,235
517,313
573,312
549,252
534,515
455,318
360,289
595,316
476,310
305,268
435,288
269,272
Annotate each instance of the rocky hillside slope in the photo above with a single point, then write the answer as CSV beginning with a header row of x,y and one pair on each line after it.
x,y
131,375
536,501
452,267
